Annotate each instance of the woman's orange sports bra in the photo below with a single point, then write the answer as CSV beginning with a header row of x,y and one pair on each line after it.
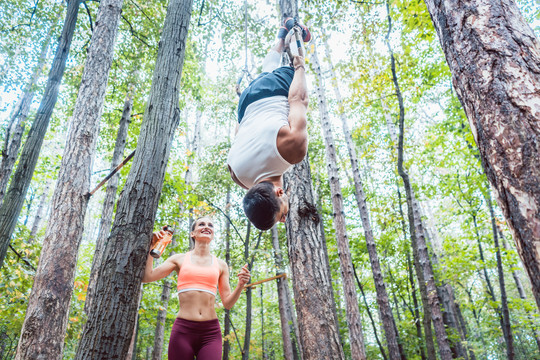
x,y
197,277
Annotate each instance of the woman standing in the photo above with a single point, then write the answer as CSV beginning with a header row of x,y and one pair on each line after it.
x,y
196,331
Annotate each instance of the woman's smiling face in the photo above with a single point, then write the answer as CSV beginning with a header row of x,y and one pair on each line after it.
x,y
203,229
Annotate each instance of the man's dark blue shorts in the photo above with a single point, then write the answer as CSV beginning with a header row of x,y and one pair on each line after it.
x,y
266,85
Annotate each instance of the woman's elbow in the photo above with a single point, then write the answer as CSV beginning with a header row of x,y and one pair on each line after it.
x,y
228,305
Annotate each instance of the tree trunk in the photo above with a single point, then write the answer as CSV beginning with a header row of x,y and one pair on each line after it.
x,y
249,300
507,326
110,196
500,95
380,286
14,198
416,307
264,353
132,352
113,312
426,320
15,128
522,294
370,315
446,295
345,260
288,334
312,284
415,223
40,212
227,320
47,313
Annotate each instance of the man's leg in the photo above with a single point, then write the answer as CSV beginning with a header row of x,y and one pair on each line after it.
x,y
273,59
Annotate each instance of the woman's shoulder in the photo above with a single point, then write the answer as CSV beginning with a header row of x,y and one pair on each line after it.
x,y
177,259
222,264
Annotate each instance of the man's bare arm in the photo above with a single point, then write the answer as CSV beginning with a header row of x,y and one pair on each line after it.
x,y
292,140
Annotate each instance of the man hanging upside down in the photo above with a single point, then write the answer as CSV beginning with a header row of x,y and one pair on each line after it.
x,y
271,135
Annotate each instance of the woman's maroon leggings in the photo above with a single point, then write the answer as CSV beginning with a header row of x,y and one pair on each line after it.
x,y
195,339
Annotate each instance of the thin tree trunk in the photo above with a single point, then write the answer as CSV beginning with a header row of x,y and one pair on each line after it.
x,y
110,196
446,296
290,351
522,294
370,315
17,121
264,353
132,352
14,198
227,320
500,96
415,224
416,307
249,298
48,307
507,327
358,350
426,320
464,331
380,286
113,312
40,212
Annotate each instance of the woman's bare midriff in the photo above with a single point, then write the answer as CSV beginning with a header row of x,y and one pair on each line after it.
x,y
197,306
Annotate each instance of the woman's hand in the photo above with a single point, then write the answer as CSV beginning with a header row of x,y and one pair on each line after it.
x,y
157,236
243,276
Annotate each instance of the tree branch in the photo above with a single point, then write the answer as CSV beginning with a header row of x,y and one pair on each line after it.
x,y
133,32
25,260
89,16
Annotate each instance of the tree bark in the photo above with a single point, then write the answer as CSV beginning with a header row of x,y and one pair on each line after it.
x,y
380,286
312,284
113,312
345,260
290,351
110,196
415,223
500,95
14,198
47,313
17,121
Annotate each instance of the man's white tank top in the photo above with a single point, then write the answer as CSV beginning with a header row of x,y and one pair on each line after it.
x,y
254,154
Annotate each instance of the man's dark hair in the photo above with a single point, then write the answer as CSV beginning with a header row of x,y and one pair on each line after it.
x,y
261,205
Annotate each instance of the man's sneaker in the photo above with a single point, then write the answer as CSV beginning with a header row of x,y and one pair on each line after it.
x,y
288,24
